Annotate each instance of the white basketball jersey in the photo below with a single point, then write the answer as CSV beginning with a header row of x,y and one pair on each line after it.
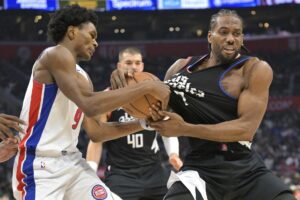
x,y
53,120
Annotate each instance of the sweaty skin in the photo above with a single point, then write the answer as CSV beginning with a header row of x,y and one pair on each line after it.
x,y
249,84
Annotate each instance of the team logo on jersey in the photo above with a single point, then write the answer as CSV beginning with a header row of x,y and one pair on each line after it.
x,y
182,85
99,192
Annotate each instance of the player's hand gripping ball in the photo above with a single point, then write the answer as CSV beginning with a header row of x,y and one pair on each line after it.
x,y
140,107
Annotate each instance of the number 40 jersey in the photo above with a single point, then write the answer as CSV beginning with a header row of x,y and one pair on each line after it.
x,y
135,150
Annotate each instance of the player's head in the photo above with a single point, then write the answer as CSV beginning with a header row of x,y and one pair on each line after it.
x,y
131,58
76,25
225,35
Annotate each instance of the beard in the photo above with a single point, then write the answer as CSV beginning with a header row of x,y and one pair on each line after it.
x,y
225,59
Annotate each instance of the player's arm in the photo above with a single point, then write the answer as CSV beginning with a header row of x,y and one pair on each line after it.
x,y
93,155
94,150
8,148
176,67
103,131
172,148
8,122
252,105
61,65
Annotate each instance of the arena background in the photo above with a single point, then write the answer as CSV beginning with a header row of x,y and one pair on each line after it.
x,y
166,30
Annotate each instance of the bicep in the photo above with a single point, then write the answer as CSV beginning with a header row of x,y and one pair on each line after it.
x,y
253,100
63,69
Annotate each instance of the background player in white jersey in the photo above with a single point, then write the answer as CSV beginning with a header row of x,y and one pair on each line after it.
x,y
9,143
135,170
48,164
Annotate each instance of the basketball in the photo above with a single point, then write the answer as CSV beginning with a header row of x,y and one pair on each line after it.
x,y
140,107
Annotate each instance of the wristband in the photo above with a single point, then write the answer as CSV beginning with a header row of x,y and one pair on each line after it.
x,y
93,165
144,125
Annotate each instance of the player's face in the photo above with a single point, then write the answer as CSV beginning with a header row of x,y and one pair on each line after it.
x,y
226,38
86,35
131,61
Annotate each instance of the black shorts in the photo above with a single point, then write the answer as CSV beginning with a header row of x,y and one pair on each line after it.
x,y
236,177
143,183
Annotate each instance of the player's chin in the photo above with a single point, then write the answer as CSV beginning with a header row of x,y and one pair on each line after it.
x,y
86,57
229,57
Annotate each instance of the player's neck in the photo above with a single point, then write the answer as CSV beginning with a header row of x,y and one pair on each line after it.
x,y
70,47
213,60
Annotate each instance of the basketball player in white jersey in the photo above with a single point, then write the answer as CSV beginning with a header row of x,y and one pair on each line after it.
x,y
48,165
9,143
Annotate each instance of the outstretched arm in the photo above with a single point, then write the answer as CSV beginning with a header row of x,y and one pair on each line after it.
x,y
100,132
252,105
60,63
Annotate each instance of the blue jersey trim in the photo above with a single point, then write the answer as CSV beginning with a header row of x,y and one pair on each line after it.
x,y
32,142
226,71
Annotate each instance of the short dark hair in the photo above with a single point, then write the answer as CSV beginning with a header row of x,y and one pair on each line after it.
x,y
73,15
223,12
130,50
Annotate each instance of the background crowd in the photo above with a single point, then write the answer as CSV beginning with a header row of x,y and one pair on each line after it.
x,y
277,140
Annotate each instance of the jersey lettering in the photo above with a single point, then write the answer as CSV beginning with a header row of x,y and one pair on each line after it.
x,y
136,140
182,96
181,82
76,118
126,118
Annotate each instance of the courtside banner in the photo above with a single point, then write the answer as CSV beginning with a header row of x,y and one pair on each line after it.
x,y
130,5
31,4
234,3
183,4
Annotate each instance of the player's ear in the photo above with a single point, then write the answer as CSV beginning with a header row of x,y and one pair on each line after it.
x,y
71,32
142,66
118,65
209,34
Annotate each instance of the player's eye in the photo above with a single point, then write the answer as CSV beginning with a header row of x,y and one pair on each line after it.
x,y
223,32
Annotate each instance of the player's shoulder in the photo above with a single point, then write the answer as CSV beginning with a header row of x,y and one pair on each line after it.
x,y
255,64
177,66
57,53
57,56
258,69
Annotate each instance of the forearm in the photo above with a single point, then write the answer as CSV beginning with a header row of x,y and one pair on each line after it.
x,y
171,145
230,131
103,102
113,130
94,151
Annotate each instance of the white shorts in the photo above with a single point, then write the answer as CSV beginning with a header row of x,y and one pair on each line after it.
x,y
66,177
191,180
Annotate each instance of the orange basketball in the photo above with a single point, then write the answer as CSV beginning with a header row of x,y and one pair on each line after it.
x,y
140,107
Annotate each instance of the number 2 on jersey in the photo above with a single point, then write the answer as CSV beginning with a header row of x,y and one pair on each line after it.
x,y
136,140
